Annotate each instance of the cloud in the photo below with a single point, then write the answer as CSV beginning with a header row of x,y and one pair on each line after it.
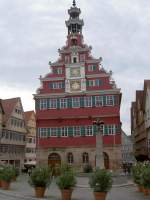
x,y
32,31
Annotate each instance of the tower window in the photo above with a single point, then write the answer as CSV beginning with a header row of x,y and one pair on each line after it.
x,y
73,42
74,60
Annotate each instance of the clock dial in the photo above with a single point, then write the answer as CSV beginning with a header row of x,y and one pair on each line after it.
x,y
75,72
75,85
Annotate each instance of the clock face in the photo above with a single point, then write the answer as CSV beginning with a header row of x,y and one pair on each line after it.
x,y
75,72
75,85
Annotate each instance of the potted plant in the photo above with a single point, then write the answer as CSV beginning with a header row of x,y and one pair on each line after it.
x,y
101,182
7,173
40,179
146,179
137,176
66,181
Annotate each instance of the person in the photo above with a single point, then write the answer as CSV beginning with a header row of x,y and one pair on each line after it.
x,y
29,171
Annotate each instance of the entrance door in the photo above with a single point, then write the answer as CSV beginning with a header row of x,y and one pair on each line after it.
x,y
54,160
106,160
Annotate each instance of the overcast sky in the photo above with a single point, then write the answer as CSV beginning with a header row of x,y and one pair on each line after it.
x,y
31,31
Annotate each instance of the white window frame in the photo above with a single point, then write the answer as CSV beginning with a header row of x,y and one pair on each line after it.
x,y
91,83
59,70
89,130
110,100
43,132
111,129
52,131
63,103
64,131
99,101
76,131
88,101
90,68
52,103
43,104
75,102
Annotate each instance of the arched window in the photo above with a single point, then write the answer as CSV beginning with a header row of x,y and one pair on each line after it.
x,y
85,157
70,158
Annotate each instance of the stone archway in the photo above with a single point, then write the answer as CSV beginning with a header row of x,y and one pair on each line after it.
x,y
106,160
54,160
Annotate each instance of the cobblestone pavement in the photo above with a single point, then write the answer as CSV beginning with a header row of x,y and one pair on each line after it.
x,y
22,190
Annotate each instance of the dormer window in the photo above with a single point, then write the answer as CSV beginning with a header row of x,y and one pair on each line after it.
x,y
92,68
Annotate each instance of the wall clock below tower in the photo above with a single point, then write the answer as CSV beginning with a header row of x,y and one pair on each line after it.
x,y
75,85
75,72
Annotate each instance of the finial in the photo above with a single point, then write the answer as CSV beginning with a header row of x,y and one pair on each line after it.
x,y
74,3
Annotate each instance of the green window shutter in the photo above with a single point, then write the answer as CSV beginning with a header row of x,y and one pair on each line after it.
x,y
50,85
105,130
104,100
49,132
82,102
63,84
93,101
58,103
94,67
69,102
82,131
95,130
116,102
48,103
58,132
70,131
87,83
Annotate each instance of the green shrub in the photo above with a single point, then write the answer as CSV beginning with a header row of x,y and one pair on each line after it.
x,y
87,168
40,177
67,179
7,173
137,171
101,180
146,176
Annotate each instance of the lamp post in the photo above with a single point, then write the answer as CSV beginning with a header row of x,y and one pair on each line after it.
x,y
99,144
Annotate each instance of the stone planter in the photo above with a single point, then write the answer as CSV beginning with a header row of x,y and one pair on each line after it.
x,y
146,191
66,194
39,192
149,191
100,195
5,185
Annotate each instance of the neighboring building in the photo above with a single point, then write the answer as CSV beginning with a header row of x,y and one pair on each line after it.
x,y
140,122
12,148
71,97
127,149
30,156
1,118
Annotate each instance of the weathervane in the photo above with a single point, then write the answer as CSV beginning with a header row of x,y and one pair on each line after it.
x,y
74,3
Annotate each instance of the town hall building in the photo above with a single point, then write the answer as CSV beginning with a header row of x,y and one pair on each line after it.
x,y
76,91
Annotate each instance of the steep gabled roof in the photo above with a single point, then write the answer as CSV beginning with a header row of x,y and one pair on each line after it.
x,y
146,86
8,106
28,115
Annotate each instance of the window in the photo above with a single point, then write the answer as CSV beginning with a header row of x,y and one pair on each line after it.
x,y
74,60
57,85
70,158
64,131
89,131
63,103
76,131
58,71
53,132
76,102
98,101
85,158
111,129
88,101
95,82
53,103
43,104
92,68
109,100
43,132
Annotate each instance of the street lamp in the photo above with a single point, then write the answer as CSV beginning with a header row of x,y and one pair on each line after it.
x,y
99,144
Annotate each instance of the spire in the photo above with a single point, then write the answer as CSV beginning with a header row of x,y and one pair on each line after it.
x,y
74,3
